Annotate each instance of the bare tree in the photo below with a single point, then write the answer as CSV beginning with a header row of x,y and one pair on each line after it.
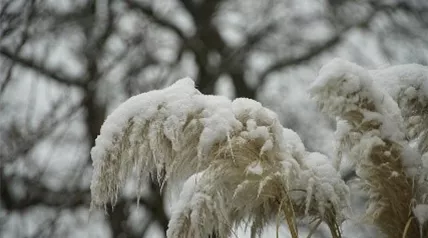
x,y
65,65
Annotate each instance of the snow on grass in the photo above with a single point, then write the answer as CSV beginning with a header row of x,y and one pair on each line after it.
x,y
238,162
370,107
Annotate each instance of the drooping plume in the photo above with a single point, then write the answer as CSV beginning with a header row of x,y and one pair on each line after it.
x,y
238,163
373,134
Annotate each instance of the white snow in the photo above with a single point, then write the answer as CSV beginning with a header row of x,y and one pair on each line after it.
x,y
421,213
402,78
411,160
219,120
323,183
342,84
255,168
408,86
383,98
178,130
293,140
174,130
144,106
182,134
187,191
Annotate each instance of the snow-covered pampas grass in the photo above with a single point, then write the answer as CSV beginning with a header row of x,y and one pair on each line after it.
x,y
408,86
238,163
372,133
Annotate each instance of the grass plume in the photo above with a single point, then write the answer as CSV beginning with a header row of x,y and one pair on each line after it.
x,y
371,132
234,157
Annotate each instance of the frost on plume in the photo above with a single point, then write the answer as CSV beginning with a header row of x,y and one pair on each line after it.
x,y
238,163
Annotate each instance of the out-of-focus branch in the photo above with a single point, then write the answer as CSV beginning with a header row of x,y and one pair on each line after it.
x,y
24,38
13,19
4,6
21,142
205,40
240,53
95,111
318,49
31,64
190,7
312,52
148,11
38,194
401,5
48,228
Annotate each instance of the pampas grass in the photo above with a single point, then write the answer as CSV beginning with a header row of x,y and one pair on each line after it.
x,y
235,164
372,135
233,157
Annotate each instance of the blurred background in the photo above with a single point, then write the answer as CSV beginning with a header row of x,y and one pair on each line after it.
x,y
66,64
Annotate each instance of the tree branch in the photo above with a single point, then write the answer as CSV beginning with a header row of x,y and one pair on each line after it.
x,y
316,50
233,57
190,7
24,37
38,194
148,11
308,55
31,64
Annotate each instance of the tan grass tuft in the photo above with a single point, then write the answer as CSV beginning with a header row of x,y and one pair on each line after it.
x,y
372,136
233,156
383,175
